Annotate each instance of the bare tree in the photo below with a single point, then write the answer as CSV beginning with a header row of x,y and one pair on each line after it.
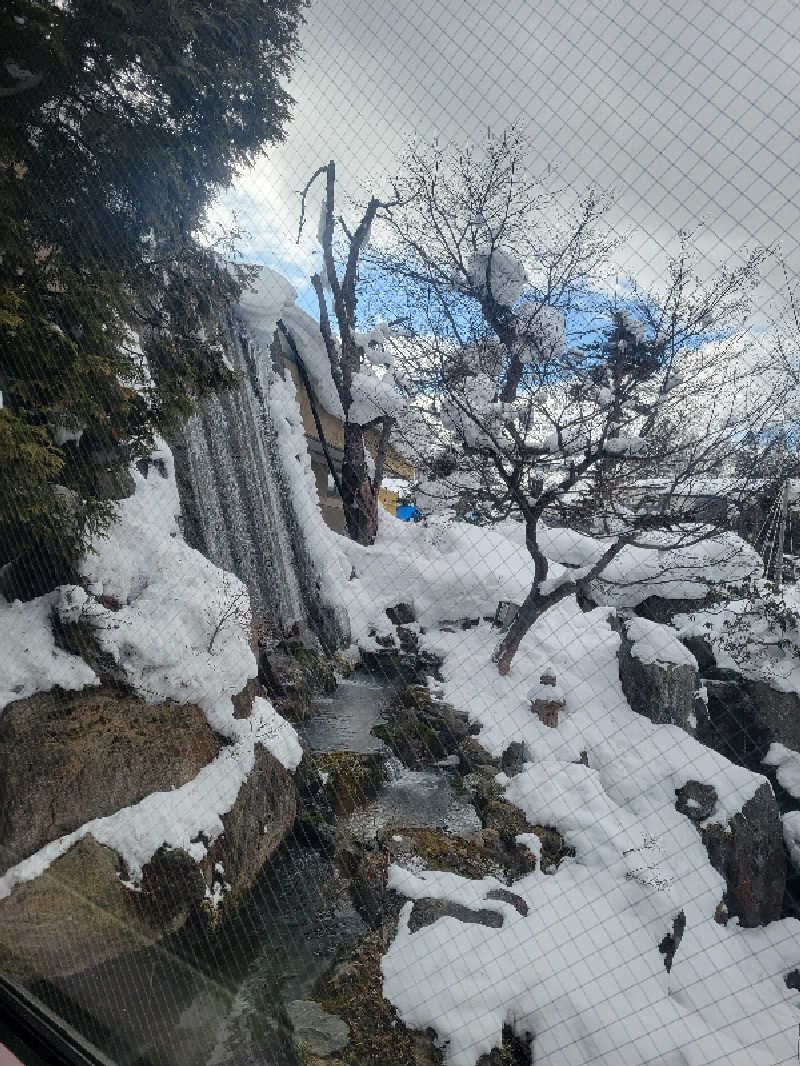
x,y
346,355
618,438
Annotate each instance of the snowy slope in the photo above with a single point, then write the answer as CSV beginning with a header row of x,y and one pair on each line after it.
x,y
582,970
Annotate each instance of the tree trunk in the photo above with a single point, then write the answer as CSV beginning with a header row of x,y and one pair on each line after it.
x,y
359,499
533,607
535,604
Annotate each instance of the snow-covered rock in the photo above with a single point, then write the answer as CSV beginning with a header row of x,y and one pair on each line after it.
x,y
659,675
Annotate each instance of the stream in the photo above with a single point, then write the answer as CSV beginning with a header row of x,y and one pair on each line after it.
x,y
222,1002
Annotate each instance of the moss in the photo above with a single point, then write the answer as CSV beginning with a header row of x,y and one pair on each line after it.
x,y
412,741
352,778
414,697
320,672
440,850
354,992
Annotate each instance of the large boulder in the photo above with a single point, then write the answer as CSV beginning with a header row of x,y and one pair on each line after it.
x,y
76,914
748,852
776,712
80,912
66,758
659,675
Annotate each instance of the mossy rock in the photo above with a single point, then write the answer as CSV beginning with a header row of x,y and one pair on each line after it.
x,y
415,697
354,993
513,1051
420,730
413,742
319,670
507,821
351,779
440,850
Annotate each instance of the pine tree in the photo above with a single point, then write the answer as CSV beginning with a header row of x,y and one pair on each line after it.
x,y
120,121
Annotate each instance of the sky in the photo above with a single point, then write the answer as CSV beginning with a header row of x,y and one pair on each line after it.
x,y
687,111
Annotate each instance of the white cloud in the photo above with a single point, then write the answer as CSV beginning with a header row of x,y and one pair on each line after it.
x,y
687,111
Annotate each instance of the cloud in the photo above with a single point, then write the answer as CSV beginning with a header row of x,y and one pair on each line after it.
x,y
687,110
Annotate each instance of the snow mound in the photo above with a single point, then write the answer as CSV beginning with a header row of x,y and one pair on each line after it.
x,y
654,643
30,660
179,627
787,762
582,971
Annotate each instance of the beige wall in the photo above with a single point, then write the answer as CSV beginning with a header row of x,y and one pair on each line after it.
x,y
334,434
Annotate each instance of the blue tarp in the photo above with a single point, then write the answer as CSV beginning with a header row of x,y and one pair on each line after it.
x,y
408,513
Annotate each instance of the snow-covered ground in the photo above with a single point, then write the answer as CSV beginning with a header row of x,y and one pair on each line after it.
x,y
582,970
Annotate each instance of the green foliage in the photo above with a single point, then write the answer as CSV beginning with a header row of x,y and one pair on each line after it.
x,y
120,121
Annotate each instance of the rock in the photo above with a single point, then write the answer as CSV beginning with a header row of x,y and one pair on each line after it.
x,y
517,902
354,993
662,610
75,915
702,651
669,945
286,683
420,730
172,884
663,691
472,756
748,852
66,758
321,1032
427,911
407,638
696,800
243,701
351,778
778,713
82,891
513,758
734,725
513,1051
401,614
254,827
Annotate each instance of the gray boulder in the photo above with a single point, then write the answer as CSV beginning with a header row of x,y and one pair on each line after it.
x,y
659,675
748,852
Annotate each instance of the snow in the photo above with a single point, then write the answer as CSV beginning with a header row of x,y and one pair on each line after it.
x,y
653,643
746,636
787,763
449,570
30,660
582,971
179,818
506,275
278,736
687,571
567,546
623,445
373,386
543,329
179,627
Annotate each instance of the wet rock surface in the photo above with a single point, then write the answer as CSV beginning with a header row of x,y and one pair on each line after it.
x,y
420,730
